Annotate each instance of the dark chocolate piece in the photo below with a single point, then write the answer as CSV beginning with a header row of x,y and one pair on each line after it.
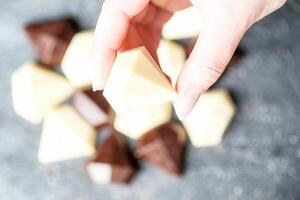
x,y
163,147
93,107
50,39
112,162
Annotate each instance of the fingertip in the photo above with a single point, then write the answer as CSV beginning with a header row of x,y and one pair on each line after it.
x,y
184,104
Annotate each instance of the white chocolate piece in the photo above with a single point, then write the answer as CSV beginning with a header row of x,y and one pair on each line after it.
x,y
137,122
65,135
36,90
136,81
100,173
171,57
212,114
186,23
76,63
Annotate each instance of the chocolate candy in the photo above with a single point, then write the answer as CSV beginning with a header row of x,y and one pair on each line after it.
x,y
136,81
186,23
36,90
163,147
65,135
50,39
171,58
78,59
112,162
137,122
210,117
93,107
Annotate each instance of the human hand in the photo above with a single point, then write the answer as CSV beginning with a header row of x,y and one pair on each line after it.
x,y
125,24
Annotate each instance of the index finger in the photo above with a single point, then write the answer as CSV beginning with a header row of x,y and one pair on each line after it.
x,y
110,32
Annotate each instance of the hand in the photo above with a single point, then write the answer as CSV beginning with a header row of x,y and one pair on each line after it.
x,y
125,24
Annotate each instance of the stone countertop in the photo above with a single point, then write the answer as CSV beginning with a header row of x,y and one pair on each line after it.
x,y
259,157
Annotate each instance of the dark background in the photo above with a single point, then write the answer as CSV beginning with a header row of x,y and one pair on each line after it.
x,y
258,159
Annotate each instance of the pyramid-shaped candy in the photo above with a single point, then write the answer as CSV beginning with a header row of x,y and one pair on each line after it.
x,y
163,147
93,107
65,135
186,23
112,162
36,90
135,123
171,57
210,117
50,39
76,63
136,81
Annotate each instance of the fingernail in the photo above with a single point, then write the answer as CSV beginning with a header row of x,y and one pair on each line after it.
x,y
184,104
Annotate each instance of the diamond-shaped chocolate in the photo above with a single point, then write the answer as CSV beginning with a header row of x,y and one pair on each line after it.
x,y
50,39
163,147
112,162
93,107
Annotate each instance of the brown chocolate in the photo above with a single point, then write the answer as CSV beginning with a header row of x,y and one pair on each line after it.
x,y
99,99
93,107
163,147
50,39
114,154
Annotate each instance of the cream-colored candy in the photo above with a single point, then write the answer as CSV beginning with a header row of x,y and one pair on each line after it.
x,y
186,23
76,63
65,135
137,122
136,81
36,90
171,57
210,117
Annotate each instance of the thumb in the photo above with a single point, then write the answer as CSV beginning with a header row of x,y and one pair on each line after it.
x,y
212,52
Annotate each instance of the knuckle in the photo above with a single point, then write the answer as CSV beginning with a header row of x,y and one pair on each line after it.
x,y
209,74
281,3
215,69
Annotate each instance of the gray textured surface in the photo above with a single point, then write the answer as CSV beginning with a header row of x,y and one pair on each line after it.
x,y
258,159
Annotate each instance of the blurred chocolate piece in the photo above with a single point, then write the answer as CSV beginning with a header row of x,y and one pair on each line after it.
x,y
77,58
51,39
112,162
136,122
163,147
65,135
207,123
172,57
37,90
93,107
186,23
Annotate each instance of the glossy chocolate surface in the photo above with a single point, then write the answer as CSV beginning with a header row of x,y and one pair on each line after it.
x,y
162,147
50,39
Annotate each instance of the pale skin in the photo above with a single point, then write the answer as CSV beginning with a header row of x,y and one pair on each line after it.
x,y
125,24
